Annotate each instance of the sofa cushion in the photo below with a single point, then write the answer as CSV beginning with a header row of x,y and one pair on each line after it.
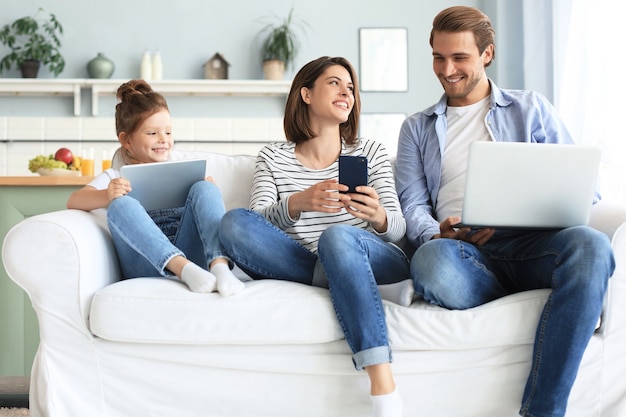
x,y
162,310
510,320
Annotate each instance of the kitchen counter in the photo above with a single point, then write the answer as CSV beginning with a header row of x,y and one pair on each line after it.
x,y
62,180
21,197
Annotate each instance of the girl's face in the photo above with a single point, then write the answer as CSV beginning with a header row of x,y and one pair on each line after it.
x,y
332,96
153,141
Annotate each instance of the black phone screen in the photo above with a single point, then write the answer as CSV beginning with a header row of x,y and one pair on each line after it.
x,y
352,171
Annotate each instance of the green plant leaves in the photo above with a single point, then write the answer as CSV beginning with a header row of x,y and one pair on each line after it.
x,y
29,38
281,40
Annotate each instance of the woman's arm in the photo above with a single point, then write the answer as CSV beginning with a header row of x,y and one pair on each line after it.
x,y
382,180
264,193
274,171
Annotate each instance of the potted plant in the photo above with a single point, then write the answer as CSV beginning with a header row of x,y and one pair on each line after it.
x,y
280,46
33,42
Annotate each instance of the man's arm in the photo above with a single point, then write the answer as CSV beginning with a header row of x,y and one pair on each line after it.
x,y
413,165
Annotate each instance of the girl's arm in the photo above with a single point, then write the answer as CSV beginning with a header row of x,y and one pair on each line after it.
x,y
88,198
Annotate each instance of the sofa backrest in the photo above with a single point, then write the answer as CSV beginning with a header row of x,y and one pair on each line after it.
x,y
232,173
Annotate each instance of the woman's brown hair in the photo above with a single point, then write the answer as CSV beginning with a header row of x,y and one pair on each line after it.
x,y
296,120
463,18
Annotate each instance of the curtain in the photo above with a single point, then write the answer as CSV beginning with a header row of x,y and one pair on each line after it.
x,y
588,88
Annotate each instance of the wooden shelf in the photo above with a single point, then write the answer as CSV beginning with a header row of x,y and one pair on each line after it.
x,y
108,87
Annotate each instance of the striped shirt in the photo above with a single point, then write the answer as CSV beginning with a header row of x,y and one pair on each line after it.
x,y
278,174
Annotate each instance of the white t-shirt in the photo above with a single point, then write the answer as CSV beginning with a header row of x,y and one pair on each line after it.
x,y
102,180
466,124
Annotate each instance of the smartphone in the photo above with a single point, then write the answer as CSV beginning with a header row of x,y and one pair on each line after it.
x,y
352,171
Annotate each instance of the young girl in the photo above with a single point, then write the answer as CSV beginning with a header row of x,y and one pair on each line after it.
x,y
182,241
325,237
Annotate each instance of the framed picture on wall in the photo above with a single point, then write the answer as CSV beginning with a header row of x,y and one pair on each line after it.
x,y
382,127
383,54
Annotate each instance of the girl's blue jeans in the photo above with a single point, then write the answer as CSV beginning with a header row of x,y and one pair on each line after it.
x,y
575,263
146,241
353,260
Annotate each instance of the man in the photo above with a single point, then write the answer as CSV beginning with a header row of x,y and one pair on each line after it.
x,y
458,269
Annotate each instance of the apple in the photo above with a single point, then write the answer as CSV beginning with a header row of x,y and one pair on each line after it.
x,y
65,155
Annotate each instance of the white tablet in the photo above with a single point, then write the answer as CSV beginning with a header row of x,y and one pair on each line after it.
x,y
160,185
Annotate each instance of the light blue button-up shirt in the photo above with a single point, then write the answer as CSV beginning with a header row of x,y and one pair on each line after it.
x,y
514,116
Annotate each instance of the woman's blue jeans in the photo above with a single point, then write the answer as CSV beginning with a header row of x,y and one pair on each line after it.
x,y
353,260
575,263
146,241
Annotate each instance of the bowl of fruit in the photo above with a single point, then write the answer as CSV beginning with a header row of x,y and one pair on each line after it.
x,y
63,162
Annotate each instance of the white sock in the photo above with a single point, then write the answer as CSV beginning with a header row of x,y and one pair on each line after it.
x,y
198,279
387,405
400,292
227,283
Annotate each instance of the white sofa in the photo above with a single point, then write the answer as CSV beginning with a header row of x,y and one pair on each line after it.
x,y
150,347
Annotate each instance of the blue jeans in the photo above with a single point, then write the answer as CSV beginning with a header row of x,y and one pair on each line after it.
x,y
575,263
354,262
146,241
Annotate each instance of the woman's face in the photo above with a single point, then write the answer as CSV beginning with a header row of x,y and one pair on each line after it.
x,y
153,141
332,96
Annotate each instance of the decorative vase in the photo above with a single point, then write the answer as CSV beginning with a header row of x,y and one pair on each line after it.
x,y
100,67
29,68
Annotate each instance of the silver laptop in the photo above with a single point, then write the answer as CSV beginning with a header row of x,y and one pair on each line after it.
x,y
160,185
529,185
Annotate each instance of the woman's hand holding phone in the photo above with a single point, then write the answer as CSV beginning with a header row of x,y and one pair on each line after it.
x,y
324,196
365,205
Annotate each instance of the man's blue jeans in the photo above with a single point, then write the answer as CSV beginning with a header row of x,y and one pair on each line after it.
x,y
146,241
575,263
353,260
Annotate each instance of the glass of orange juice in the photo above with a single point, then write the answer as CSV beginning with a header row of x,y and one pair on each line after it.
x,y
106,159
86,163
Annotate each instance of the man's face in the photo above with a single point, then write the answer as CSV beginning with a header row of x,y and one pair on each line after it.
x,y
460,67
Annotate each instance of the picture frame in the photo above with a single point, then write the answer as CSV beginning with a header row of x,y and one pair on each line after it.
x,y
382,127
383,54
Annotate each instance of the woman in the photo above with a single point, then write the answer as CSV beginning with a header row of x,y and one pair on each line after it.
x,y
324,236
182,241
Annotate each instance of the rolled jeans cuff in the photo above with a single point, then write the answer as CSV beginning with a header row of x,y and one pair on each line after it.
x,y
372,356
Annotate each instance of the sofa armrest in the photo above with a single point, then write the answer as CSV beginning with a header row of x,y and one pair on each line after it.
x,y
607,216
61,259
610,217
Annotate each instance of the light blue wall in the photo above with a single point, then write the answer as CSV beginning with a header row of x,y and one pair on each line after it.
x,y
188,32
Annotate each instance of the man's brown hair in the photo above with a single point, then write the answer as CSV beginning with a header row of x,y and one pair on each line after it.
x,y
462,19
